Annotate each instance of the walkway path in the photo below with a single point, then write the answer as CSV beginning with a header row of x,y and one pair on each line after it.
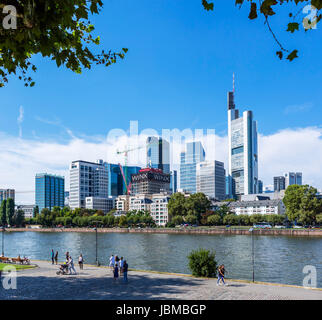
x,y
97,283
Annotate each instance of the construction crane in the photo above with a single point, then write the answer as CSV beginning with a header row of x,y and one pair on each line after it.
x,y
124,172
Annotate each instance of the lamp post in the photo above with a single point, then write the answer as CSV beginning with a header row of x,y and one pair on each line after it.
x,y
97,263
252,231
3,230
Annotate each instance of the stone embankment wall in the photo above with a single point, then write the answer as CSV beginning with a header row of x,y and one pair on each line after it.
x,y
286,232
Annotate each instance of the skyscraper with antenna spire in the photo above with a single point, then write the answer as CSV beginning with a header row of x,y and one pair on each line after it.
x,y
243,150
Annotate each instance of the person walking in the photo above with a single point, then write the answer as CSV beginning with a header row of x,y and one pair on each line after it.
x,y
67,256
116,271
56,257
121,262
221,275
125,268
71,265
52,256
81,261
112,262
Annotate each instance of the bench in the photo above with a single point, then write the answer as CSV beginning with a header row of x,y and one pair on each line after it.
x,y
19,260
4,260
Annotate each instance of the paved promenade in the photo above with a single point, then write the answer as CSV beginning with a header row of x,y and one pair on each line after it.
x,y
42,283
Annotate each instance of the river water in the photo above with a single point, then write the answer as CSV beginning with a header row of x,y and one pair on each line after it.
x,y
278,259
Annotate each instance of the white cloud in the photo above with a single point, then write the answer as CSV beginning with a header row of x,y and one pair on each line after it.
x,y
20,159
20,120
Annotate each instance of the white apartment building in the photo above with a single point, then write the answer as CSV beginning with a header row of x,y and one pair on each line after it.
x,y
159,208
103,204
140,202
87,179
275,206
122,203
27,209
211,179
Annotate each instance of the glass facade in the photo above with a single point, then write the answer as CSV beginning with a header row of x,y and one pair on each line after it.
x,y
158,154
50,191
194,154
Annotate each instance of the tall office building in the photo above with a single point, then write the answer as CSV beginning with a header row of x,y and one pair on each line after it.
x,y
50,191
260,186
87,179
243,154
149,181
279,183
194,154
293,178
5,194
211,179
158,154
173,181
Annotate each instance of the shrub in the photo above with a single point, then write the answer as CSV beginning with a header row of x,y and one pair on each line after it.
x,y
214,220
202,263
176,220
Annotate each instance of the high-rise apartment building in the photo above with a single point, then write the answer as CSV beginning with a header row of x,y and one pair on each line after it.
x,y
5,194
243,151
211,179
293,178
50,191
193,154
87,179
158,154
279,183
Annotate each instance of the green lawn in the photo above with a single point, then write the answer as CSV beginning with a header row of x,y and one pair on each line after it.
x,y
17,266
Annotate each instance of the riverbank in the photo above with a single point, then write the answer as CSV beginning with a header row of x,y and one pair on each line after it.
x,y
96,283
207,231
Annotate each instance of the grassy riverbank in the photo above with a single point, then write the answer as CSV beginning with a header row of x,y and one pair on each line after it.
x,y
17,266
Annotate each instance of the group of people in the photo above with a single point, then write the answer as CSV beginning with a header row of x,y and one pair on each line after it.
x,y
119,267
69,262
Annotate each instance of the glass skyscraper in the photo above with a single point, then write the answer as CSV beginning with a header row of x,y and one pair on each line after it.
x,y
158,154
116,185
50,191
243,153
194,154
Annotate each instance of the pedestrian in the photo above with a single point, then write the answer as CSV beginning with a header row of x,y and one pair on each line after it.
x,y
116,271
81,261
112,262
52,256
67,256
125,268
56,257
121,262
221,275
71,265
117,259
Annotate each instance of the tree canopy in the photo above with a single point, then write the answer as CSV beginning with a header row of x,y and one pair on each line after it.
x,y
60,30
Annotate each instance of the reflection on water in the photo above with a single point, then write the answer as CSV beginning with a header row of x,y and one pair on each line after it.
x,y
278,259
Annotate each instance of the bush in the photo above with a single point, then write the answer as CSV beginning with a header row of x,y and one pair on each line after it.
x,y
214,220
202,263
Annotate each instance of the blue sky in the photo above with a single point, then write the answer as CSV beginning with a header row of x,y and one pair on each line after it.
x,y
176,75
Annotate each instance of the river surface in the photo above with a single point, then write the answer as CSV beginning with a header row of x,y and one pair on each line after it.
x,y
278,259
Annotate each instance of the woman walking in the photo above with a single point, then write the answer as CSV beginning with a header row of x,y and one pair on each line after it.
x,y
56,257
125,268
116,271
81,261
221,275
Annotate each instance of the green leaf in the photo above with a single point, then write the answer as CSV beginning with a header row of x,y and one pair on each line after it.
x,y
253,11
292,55
292,26
280,54
208,5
